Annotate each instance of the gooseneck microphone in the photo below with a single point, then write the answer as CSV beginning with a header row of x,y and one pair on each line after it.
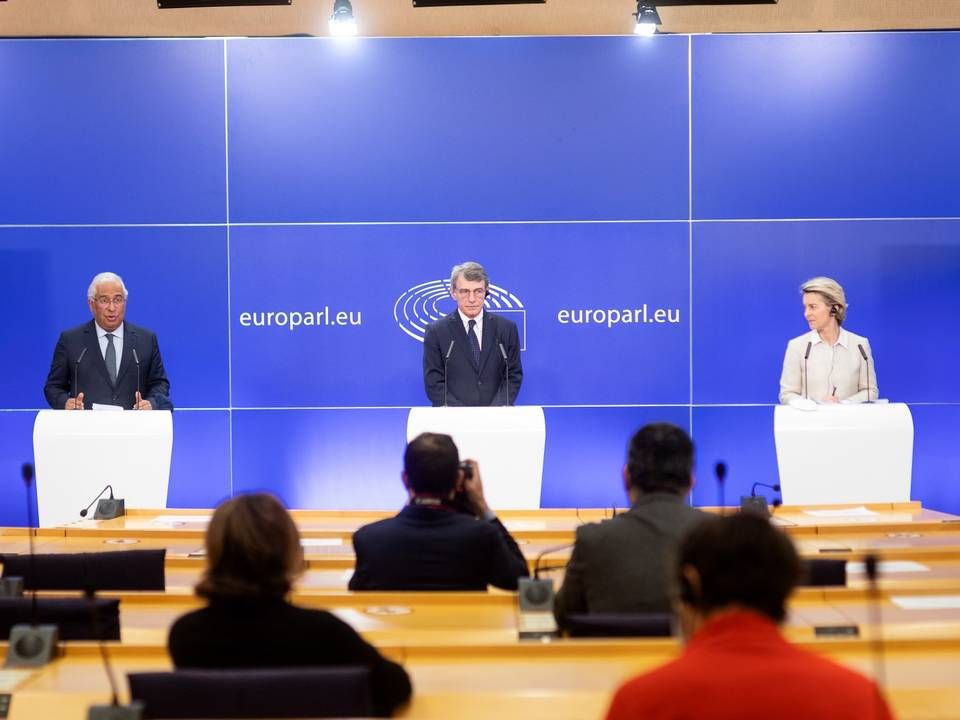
x,y
506,374
537,567
137,361
806,385
113,711
720,470
83,513
446,359
753,490
76,372
871,566
867,361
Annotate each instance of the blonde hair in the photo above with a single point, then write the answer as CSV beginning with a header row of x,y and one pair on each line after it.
x,y
830,290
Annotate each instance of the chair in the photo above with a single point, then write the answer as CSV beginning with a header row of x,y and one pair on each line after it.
x,y
619,625
824,572
73,616
116,570
261,693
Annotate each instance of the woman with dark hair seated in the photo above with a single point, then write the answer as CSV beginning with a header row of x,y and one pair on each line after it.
x,y
253,557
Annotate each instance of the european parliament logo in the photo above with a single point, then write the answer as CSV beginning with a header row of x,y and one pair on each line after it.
x,y
422,304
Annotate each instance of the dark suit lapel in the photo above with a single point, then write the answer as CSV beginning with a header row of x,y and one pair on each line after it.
x,y
489,339
92,344
126,357
460,335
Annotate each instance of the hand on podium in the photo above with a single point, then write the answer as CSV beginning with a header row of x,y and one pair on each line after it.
x,y
141,404
74,403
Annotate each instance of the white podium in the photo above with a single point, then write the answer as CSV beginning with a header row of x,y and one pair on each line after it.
x,y
77,453
844,453
507,443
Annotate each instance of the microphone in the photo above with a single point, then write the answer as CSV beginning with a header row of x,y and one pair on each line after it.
x,y
106,509
806,385
871,566
113,711
137,361
31,645
753,490
535,600
506,374
76,370
720,470
546,568
867,361
446,359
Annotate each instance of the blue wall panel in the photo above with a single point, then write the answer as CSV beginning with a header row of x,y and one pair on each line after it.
x,y
826,125
112,131
177,282
200,466
902,281
457,129
363,270
16,448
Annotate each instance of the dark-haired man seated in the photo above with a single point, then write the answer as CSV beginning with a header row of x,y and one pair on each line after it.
x,y
735,574
623,565
446,538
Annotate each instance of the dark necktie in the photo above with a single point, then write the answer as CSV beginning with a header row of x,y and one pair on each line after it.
x,y
111,359
474,342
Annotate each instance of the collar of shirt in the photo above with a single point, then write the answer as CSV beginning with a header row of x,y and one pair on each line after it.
x,y
842,339
466,322
736,629
101,333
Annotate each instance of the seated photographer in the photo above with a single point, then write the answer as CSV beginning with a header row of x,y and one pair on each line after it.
x,y
446,538
253,557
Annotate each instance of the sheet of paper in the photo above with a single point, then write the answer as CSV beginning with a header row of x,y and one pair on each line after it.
x,y
889,566
927,602
860,511
321,542
180,519
10,679
108,408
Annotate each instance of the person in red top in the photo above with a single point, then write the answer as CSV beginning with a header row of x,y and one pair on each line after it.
x,y
735,574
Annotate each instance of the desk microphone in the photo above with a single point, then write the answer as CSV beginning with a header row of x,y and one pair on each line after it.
x,y
76,371
113,711
871,566
106,509
506,374
866,360
806,382
536,595
720,470
137,361
446,359
31,645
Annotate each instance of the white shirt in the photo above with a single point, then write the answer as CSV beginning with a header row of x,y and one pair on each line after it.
x,y
478,329
830,370
117,342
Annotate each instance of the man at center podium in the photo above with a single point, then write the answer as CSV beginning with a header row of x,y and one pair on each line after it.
x,y
471,356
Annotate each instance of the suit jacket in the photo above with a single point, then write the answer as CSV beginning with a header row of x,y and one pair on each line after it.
x,y
624,565
431,548
92,377
263,632
469,384
739,667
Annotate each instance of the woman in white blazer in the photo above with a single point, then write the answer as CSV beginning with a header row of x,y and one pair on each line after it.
x,y
828,364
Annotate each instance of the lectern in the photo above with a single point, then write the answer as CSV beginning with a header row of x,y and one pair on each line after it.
x,y
78,452
837,454
507,443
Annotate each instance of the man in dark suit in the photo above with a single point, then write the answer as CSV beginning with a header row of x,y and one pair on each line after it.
x,y
624,565
480,350
447,538
107,360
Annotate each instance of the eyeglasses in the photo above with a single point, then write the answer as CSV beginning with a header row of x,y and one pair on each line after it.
x,y
104,301
465,293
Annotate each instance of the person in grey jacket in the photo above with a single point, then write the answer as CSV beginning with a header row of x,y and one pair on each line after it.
x,y
623,565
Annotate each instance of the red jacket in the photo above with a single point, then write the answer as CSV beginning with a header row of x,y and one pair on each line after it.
x,y
739,667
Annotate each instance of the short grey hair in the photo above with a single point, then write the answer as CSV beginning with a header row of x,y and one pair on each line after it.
x,y
470,270
830,290
101,278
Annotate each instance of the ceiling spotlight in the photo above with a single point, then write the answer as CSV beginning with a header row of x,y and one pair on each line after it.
x,y
647,19
342,22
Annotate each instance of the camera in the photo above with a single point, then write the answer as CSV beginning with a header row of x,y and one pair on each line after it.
x,y
467,470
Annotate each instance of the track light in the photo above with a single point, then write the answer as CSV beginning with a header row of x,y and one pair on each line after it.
x,y
342,22
647,19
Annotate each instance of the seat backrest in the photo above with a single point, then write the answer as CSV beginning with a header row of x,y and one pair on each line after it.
x,y
260,693
73,616
111,570
619,625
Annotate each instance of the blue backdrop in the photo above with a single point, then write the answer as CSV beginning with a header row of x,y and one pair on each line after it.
x,y
283,211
